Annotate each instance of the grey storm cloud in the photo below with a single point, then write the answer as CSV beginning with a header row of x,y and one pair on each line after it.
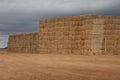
x,y
17,16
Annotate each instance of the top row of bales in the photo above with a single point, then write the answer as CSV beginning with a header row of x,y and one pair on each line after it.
x,y
78,18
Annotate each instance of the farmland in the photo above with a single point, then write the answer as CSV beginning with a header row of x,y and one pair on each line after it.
x,y
18,66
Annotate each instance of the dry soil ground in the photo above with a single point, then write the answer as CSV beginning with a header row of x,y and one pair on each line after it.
x,y
58,67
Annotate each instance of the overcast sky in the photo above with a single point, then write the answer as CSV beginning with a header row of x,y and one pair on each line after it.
x,y
17,16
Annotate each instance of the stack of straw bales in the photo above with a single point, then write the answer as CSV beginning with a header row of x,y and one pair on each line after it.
x,y
85,35
112,35
23,43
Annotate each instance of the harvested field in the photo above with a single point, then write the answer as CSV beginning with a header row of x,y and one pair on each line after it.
x,y
58,67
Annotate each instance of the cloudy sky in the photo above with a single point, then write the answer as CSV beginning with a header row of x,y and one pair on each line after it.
x,y
18,16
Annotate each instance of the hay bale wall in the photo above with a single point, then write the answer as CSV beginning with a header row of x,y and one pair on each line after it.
x,y
112,36
85,35
23,43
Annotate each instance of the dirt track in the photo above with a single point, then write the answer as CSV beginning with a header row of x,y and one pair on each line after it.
x,y
58,67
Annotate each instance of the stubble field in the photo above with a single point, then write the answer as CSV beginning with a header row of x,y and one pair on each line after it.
x,y
58,67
